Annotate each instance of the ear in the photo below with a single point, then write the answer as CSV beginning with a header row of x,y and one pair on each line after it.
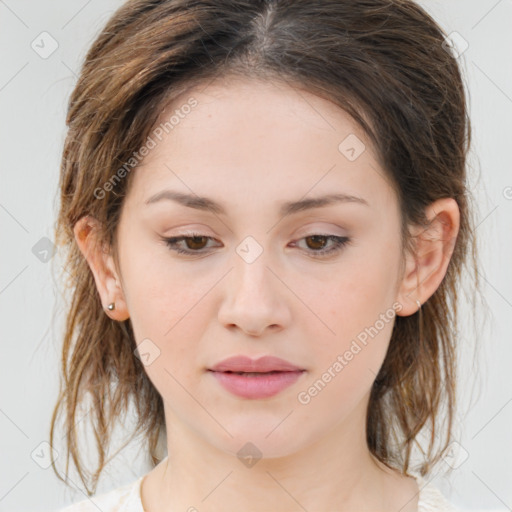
x,y
102,265
426,267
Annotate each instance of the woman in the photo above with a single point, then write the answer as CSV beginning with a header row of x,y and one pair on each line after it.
x,y
267,218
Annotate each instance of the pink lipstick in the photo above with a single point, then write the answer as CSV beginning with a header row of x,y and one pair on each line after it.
x,y
260,378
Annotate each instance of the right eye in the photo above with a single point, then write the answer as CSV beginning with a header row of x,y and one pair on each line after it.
x,y
194,243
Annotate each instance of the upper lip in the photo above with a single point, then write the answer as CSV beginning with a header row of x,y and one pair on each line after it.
x,y
262,364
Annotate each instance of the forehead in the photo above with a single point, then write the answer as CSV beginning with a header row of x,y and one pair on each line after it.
x,y
258,107
257,138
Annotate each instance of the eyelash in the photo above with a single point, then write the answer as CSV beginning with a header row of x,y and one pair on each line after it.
x,y
339,243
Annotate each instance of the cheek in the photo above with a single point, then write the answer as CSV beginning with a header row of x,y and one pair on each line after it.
x,y
346,365
159,292
357,306
373,273
167,316
359,293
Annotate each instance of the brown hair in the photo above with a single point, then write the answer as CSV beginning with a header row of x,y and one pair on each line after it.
x,y
381,61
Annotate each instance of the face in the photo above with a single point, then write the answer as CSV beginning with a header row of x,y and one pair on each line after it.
x,y
314,286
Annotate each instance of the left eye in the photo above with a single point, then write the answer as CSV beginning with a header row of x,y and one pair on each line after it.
x,y
318,242
195,243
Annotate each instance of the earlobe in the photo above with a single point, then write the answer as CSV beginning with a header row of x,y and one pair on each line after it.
x,y
426,267
102,266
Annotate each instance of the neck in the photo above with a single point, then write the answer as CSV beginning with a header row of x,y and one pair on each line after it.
x,y
337,472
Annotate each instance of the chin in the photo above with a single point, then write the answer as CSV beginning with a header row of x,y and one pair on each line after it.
x,y
261,439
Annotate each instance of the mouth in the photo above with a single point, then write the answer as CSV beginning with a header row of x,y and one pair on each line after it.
x,y
254,374
244,364
256,385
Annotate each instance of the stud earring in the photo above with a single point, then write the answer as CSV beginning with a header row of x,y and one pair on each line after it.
x,y
418,303
111,306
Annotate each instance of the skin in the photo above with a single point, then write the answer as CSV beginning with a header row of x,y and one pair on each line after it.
x,y
251,145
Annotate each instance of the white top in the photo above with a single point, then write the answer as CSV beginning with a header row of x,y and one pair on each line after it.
x,y
128,499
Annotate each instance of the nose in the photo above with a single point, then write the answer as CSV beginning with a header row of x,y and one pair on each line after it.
x,y
255,299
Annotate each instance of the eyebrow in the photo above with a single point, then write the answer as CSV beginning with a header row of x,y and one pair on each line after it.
x,y
287,208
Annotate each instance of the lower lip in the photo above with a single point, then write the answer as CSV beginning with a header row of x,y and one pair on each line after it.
x,y
262,386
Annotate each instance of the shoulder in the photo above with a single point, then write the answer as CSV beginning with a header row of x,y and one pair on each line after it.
x,y
431,499
122,499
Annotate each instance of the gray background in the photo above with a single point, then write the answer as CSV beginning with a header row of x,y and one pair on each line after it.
x,y
34,88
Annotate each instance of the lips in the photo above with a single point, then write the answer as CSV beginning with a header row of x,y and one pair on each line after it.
x,y
260,378
262,365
